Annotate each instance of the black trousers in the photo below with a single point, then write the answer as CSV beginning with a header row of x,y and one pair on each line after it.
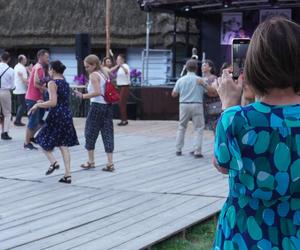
x,y
99,119
21,107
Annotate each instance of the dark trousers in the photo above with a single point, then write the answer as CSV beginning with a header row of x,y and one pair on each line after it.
x,y
21,107
99,119
124,93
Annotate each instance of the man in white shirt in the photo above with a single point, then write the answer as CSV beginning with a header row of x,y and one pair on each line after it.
x,y
190,89
6,85
123,82
21,82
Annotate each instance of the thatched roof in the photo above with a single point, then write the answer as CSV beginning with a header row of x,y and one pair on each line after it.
x,y
55,23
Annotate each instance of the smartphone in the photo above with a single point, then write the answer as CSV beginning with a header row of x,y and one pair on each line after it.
x,y
239,52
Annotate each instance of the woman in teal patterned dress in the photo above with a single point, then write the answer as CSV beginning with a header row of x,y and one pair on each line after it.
x,y
259,147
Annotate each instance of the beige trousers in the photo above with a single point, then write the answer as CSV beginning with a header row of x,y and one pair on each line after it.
x,y
186,113
5,107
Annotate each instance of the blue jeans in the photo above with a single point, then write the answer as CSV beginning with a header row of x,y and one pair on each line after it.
x,y
36,118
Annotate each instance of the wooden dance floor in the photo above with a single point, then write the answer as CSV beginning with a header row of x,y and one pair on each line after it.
x,y
152,195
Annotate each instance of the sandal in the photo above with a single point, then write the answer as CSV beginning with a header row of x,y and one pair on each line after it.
x,y
109,168
66,179
88,165
52,167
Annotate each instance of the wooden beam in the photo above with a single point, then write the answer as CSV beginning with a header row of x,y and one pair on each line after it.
x,y
108,26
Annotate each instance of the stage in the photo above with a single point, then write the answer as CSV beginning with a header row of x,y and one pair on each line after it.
x,y
153,103
152,195
144,103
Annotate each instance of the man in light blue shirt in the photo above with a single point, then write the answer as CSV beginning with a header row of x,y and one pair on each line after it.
x,y
190,89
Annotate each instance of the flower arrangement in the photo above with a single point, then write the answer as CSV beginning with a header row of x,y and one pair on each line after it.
x,y
80,80
135,76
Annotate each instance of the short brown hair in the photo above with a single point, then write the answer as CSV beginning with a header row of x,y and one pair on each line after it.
x,y
273,57
192,65
122,56
42,52
5,57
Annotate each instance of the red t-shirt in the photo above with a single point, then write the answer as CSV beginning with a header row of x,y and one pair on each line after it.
x,y
34,93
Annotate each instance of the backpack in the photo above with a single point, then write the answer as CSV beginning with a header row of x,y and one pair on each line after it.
x,y
111,95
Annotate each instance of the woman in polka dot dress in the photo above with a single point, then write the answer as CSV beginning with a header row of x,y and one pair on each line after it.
x,y
259,147
58,130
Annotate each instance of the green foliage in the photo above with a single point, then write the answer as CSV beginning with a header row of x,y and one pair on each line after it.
x,y
198,237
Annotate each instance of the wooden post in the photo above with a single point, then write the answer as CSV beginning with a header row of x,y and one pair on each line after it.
x,y
215,219
107,26
187,38
174,47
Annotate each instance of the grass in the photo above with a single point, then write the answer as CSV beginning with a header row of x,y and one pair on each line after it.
x,y
198,237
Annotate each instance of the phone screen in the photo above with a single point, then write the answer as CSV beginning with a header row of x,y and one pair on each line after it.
x,y
239,52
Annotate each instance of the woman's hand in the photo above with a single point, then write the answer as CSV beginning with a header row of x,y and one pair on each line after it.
x,y
218,167
78,94
33,109
230,91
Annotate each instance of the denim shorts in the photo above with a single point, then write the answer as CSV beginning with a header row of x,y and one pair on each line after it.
x,y
36,118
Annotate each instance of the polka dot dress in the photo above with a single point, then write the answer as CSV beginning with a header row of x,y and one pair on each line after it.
x,y
260,146
58,129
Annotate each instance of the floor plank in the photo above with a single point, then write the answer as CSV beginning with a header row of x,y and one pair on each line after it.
x,y
152,195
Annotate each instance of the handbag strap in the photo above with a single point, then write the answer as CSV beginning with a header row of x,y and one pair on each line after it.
x,y
101,74
3,74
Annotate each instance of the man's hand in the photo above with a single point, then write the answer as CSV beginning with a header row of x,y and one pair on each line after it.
x,y
174,94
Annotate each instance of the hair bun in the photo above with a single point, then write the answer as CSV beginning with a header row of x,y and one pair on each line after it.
x,y
58,66
63,67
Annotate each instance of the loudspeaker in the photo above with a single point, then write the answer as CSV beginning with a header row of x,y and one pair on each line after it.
x,y
83,45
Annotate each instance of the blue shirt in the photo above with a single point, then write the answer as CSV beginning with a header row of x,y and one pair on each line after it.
x,y
188,88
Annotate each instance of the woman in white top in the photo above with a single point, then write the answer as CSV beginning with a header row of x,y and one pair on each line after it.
x,y
100,115
123,82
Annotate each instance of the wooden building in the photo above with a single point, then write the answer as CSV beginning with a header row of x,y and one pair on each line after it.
x,y
27,26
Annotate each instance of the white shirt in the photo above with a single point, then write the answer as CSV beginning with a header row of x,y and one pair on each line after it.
x,y
21,87
122,78
90,88
7,80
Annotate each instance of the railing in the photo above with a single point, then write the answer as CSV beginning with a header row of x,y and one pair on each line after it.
x,y
156,66
79,107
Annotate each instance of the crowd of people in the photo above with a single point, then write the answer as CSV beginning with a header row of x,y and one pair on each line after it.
x,y
203,98
43,94
256,137
256,121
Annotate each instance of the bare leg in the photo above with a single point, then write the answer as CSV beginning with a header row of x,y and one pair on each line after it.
x,y
91,156
67,160
30,133
109,158
50,156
